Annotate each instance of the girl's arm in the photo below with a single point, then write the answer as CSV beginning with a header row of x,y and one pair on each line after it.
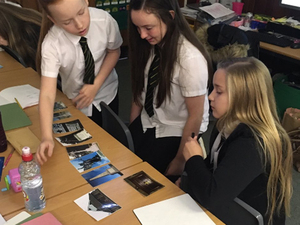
x,y
135,111
238,168
88,92
195,110
46,104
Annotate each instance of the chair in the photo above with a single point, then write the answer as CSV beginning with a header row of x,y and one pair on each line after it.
x,y
58,83
113,125
255,214
14,54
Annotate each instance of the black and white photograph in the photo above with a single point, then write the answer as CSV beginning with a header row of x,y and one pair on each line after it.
x,y
61,115
82,150
59,106
97,204
74,138
70,126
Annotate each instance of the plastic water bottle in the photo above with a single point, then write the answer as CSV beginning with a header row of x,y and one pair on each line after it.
x,y
248,19
31,182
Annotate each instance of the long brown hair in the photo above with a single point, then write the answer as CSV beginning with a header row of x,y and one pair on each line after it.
x,y
46,25
20,27
139,49
252,102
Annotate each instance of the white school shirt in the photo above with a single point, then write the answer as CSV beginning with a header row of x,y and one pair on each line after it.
x,y
62,53
190,79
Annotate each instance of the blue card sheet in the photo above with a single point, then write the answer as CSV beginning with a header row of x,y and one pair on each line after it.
x,y
1,166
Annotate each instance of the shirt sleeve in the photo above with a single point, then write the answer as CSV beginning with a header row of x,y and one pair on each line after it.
x,y
240,166
50,63
193,75
113,33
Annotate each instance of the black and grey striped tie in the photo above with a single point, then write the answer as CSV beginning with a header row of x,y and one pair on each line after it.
x,y
152,82
89,74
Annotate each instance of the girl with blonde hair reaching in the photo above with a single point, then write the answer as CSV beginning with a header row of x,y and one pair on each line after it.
x,y
251,156
82,45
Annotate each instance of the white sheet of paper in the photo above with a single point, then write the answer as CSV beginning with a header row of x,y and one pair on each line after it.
x,y
4,101
2,220
216,10
83,203
26,95
180,210
18,218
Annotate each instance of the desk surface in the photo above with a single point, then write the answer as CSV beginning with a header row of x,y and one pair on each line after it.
x,y
26,76
67,212
58,173
63,183
286,51
8,63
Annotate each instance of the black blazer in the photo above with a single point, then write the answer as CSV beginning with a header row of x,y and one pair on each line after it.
x,y
240,173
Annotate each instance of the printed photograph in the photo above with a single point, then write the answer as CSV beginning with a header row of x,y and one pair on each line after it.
x,y
89,161
82,150
59,106
61,115
102,175
97,204
143,183
70,126
74,138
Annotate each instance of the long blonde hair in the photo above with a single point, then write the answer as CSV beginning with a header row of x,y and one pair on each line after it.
x,y
252,102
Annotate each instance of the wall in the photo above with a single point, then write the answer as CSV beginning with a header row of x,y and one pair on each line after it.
x,y
33,4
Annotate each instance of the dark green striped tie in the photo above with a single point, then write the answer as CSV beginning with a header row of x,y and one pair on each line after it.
x,y
152,83
89,74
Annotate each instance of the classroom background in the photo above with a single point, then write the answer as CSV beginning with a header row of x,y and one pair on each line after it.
x,y
276,64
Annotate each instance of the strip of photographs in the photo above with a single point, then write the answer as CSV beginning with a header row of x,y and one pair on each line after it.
x,y
88,156
82,156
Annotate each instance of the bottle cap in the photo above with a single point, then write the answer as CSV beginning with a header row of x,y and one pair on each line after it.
x,y
249,14
26,154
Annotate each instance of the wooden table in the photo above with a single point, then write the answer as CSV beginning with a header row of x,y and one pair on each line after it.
x,y
27,76
59,175
285,51
8,63
67,212
63,183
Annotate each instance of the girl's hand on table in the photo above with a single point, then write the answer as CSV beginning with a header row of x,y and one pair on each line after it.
x,y
45,146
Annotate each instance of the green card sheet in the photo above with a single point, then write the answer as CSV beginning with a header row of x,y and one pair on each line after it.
x,y
13,116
